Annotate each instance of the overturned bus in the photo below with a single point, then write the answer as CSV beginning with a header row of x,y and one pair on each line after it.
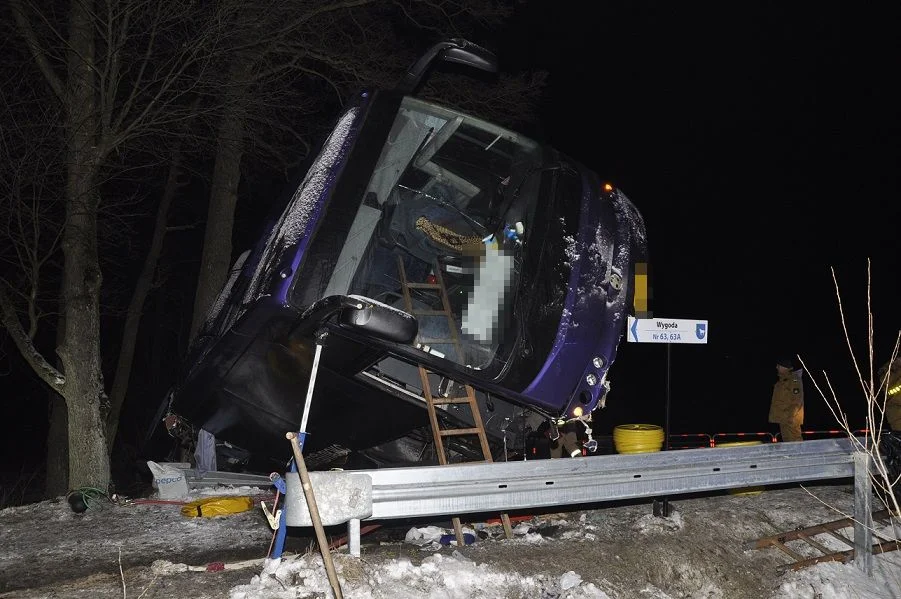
x,y
425,252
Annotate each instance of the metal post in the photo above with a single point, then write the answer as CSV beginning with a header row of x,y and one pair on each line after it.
x,y
863,516
666,415
306,406
353,537
661,506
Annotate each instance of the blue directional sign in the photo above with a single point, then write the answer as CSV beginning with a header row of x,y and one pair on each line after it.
x,y
666,330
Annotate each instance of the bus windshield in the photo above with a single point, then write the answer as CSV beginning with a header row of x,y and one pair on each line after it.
x,y
441,230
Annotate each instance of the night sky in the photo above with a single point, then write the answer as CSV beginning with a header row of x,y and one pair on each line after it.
x,y
760,142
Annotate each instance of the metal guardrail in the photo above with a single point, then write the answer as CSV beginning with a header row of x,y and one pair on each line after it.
x,y
505,486
424,491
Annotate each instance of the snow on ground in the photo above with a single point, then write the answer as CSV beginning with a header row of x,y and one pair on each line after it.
x,y
141,548
439,576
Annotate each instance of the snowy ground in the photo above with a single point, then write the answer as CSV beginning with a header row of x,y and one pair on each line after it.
x,y
150,550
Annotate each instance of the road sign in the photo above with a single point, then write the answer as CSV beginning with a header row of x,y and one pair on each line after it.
x,y
666,330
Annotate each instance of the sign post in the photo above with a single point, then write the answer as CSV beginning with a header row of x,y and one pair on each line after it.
x,y
666,331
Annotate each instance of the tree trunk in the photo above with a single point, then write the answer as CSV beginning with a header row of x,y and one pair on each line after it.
x,y
80,350
56,482
217,242
136,305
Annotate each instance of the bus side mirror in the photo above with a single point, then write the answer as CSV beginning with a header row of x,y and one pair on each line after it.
x,y
379,320
457,50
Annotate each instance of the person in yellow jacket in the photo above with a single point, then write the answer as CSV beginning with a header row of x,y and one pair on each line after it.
x,y
787,404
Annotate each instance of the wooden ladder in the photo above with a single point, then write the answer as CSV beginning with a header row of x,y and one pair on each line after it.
x,y
433,401
807,535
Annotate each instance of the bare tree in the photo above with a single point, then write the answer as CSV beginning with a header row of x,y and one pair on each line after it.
x,y
31,208
875,393
32,172
116,71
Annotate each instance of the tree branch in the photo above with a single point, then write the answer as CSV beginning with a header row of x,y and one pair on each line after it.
x,y
35,359
37,52
136,86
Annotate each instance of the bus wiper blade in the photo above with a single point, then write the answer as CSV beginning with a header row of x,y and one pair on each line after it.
x,y
450,205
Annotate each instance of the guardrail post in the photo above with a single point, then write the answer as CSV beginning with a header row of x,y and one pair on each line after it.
x,y
353,537
863,516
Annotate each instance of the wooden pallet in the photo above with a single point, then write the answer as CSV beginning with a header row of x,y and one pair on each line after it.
x,y
807,535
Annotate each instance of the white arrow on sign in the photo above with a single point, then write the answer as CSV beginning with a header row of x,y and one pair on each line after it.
x,y
666,330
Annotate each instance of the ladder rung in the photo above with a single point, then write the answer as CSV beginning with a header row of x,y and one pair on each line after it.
x,y
423,286
436,340
459,431
444,400
429,312
816,544
787,550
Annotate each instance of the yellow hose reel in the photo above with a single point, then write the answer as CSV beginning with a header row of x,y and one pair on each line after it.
x,y
637,438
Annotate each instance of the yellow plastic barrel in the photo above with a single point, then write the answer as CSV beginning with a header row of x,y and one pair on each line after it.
x,y
637,438
743,490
